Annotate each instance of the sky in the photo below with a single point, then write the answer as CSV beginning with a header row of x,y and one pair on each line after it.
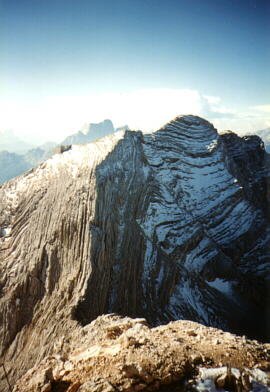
x,y
65,63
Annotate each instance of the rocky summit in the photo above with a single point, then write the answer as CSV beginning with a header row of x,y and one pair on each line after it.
x,y
167,225
121,354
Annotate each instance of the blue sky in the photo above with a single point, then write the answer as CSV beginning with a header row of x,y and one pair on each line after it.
x,y
64,61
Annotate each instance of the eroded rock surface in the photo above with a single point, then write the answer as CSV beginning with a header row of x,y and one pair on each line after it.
x,y
169,225
123,354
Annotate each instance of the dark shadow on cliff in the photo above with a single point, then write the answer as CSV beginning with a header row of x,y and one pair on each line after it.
x,y
118,246
117,243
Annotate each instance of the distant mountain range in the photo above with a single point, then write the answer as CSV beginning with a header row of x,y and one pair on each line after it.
x,y
15,164
92,132
16,157
10,142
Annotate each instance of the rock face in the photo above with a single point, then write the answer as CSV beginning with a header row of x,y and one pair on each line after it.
x,y
170,225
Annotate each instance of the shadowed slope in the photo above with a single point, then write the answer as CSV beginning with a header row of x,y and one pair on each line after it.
x,y
154,225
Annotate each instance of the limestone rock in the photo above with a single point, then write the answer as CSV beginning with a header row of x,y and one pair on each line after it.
x,y
167,225
101,363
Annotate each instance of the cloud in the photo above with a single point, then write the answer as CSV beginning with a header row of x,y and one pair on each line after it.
x,y
212,99
242,121
261,108
55,117
246,121
58,116
212,109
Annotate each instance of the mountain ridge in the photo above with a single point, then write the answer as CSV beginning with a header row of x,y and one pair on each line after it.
x,y
164,226
17,163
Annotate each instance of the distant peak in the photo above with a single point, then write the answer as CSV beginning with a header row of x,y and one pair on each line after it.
x,y
107,121
105,125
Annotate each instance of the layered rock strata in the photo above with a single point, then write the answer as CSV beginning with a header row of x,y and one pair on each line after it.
x,y
165,226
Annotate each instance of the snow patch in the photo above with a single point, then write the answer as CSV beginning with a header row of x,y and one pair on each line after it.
x,y
200,255
206,379
6,231
185,293
212,145
222,285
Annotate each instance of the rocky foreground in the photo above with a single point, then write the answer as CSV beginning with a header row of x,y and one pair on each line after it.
x,y
124,354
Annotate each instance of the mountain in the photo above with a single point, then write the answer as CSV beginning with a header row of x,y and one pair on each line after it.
x,y
14,164
48,146
11,143
90,133
37,155
264,134
167,225
16,156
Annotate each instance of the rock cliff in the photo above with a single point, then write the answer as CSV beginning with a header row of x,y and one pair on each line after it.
x,y
169,225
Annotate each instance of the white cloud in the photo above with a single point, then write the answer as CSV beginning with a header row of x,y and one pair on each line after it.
x,y
212,100
148,109
57,116
261,108
254,118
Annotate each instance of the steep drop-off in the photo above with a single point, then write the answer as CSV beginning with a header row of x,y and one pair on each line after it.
x,y
169,225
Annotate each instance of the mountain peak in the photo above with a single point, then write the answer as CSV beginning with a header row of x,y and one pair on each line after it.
x,y
101,129
90,132
189,120
192,134
167,225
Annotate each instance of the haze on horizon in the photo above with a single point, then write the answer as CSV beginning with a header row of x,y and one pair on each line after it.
x,y
66,63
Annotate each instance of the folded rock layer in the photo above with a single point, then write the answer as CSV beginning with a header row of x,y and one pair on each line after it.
x,y
167,225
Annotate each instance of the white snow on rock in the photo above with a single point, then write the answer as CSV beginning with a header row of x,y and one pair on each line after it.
x,y
200,255
69,162
6,230
186,293
193,183
195,196
206,379
225,287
